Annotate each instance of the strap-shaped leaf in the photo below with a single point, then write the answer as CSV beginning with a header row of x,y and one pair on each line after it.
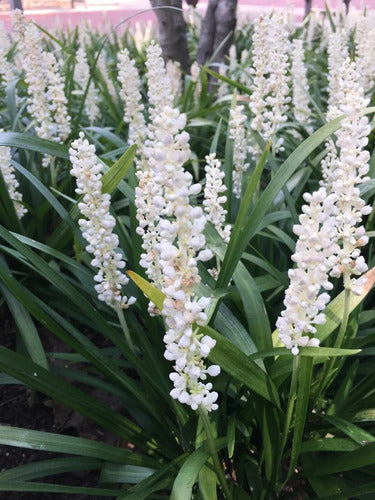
x,y
26,141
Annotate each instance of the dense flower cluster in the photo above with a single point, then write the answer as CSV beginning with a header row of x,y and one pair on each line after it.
x,y
102,67
329,238
81,76
98,225
130,93
57,98
237,132
269,98
213,197
6,69
364,49
315,245
347,171
174,73
337,53
159,86
301,109
10,180
181,244
47,102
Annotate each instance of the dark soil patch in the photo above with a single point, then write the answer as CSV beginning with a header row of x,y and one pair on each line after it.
x,y
21,407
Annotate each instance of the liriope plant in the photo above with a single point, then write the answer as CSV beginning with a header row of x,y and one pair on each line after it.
x,y
214,402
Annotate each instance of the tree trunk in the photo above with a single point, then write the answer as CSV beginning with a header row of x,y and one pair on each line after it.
x,y
15,4
172,32
218,25
308,5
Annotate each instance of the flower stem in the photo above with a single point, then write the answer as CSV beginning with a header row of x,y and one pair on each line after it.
x,y
212,447
340,335
289,410
124,326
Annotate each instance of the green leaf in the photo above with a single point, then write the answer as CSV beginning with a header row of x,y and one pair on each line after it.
x,y
59,443
188,474
305,370
26,328
56,387
361,457
56,488
155,295
117,172
241,367
328,444
225,79
118,473
52,200
358,435
43,468
26,141
356,492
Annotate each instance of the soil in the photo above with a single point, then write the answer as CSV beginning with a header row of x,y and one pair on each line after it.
x,y
21,407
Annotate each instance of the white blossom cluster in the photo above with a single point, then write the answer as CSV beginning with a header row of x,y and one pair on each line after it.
x,y
180,245
195,77
315,245
7,171
102,67
130,93
213,197
148,193
81,77
98,225
301,109
329,234
28,38
270,88
337,53
347,171
312,26
364,49
6,69
174,73
57,98
143,34
47,102
237,132
159,86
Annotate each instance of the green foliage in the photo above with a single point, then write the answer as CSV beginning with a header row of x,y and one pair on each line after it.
x,y
281,420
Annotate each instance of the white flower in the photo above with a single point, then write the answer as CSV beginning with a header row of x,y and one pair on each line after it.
x,y
214,198
173,69
337,53
304,300
10,180
102,67
81,77
346,171
159,86
269,99
98,225
364,48
301,108
57,98
130,93
173,242
6,69
47,102
237,133
195,77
